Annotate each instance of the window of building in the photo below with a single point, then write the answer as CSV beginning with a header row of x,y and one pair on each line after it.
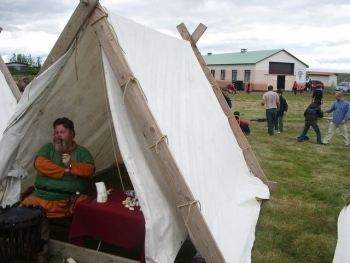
x,y
247,75
223,74
234,75
281,68
213,72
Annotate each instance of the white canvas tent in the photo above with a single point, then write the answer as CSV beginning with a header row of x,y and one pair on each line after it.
x,y
141,97
342,253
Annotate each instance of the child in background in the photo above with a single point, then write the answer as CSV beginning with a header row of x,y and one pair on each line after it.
x,y
312,113
243,124
281,112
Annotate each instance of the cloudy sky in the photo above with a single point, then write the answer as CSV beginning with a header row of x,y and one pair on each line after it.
x,y
316,32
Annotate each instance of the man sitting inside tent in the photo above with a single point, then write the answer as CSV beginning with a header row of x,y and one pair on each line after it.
x,y
62,170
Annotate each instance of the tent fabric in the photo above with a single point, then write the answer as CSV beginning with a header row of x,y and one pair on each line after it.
x,y
82,87
10,186
8,103
343,245
199,134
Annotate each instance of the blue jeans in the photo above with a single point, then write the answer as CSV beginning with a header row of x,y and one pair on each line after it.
x,y
279,122
271,115
314,125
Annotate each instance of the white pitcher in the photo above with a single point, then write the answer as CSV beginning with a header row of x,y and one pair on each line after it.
x,y
101,192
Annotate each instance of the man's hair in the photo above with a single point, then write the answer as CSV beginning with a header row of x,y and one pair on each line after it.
x,y
270,87
236,113
339,94
67,123
279,91
317,102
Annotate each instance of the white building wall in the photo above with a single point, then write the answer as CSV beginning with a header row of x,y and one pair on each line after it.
x,y
260,78
328,81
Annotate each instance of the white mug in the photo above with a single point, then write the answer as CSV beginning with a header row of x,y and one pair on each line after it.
x,y
101,192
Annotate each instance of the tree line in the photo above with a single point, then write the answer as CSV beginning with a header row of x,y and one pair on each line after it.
x,y
33,64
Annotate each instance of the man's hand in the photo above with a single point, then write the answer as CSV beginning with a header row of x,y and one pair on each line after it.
x,y
343,122
284,113
66,160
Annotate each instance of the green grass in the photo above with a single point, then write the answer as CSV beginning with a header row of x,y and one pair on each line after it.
x,y
299,222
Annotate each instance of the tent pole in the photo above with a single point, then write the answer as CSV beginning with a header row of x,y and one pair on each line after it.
x,y
152,134
69,33
249,156
9,79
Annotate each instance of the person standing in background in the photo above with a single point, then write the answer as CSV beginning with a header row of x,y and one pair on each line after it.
x,y
341,108
248,88
272,104
281,112
317,94
295,87
311,114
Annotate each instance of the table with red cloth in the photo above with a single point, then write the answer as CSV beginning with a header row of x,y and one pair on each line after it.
x,y
110,222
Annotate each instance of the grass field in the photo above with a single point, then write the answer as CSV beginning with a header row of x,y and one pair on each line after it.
x,y
299,222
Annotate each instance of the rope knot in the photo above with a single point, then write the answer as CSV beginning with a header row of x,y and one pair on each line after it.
x,y
164,137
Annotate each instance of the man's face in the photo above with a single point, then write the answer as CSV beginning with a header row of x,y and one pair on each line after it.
x,y
63,134
337,97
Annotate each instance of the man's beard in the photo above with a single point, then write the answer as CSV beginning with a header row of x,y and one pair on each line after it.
x,y
60,146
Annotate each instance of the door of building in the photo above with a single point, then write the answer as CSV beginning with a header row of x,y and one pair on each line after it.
x,y
281,81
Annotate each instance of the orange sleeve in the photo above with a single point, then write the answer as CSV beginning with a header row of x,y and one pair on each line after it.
x,y
82,169
45,167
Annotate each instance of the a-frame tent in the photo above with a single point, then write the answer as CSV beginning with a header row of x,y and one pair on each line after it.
x,y
141,97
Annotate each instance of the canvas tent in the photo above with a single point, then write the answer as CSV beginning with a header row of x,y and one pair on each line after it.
x,y
141,97
343,245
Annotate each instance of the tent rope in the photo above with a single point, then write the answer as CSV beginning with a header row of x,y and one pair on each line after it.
x,y
132,78
164,137
189,208
30,87
75,58
109,121
105,14
115,34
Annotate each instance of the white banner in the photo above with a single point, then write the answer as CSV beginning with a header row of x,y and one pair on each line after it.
x,y
300,75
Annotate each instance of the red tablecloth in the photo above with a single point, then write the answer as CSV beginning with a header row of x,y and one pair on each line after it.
x,y
110,222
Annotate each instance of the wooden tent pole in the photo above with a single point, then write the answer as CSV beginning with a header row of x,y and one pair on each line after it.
x,y
249,156
152,134
69,33
9,79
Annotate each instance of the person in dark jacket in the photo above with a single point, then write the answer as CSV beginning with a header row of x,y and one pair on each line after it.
x,y
317,94
312,113
281,112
